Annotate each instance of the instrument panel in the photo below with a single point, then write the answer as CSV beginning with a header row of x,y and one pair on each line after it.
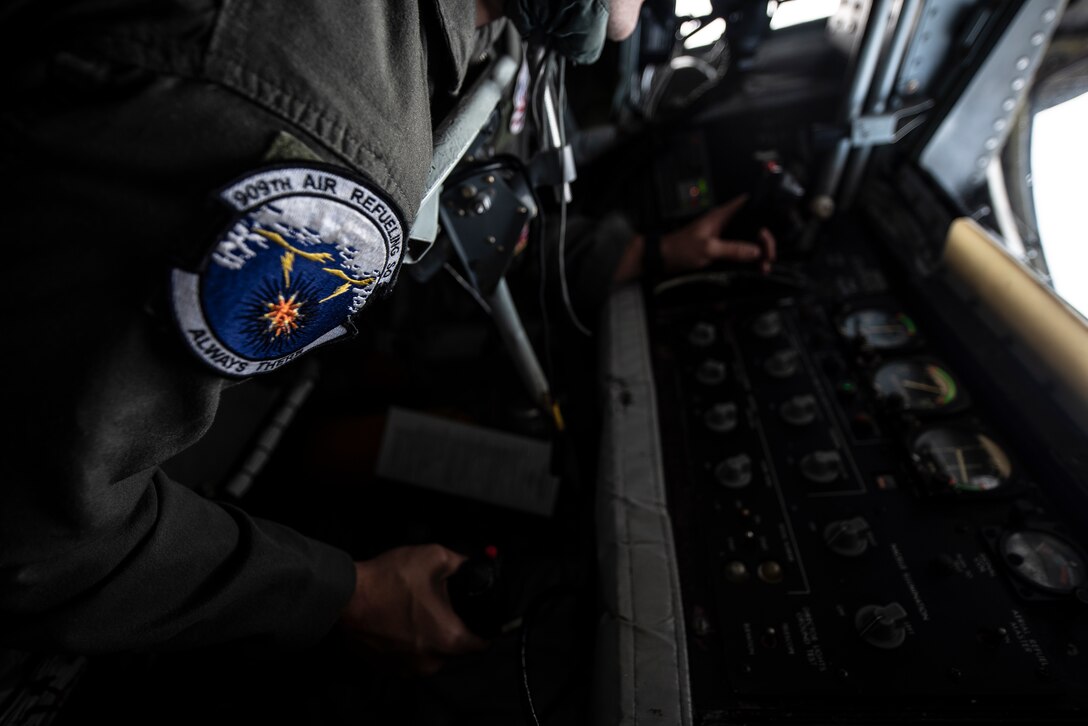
x,y
859,537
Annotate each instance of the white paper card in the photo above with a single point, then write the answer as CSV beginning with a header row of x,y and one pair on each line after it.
x,y
470,461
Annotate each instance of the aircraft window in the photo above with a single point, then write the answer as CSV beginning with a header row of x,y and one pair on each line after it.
x,y
693,8
706,35
795,12
1059,158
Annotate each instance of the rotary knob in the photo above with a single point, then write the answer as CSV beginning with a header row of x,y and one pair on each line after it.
x,y
702,335
734,472
799,410
767,325
821,467
847,537
721,418
882,627
783,363
710,372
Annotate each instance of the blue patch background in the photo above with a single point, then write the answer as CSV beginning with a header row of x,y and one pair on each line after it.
x,y
234,300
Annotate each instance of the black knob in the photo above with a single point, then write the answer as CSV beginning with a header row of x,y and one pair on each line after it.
x,y
847,537
721,418
821,467
783,363
799,410
710,372
702,334
734,472
767,325
882,626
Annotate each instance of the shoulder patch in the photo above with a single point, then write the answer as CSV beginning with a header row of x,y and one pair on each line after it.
x,y
305,249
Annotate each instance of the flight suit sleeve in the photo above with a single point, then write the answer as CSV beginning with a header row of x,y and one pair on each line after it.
x,y
165,569
128,121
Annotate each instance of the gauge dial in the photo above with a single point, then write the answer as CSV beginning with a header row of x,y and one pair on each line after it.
x,y
920,385
969,460
1045,560
879,328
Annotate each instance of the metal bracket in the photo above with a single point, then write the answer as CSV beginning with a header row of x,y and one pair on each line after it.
x,y
887,128
452,139
484,211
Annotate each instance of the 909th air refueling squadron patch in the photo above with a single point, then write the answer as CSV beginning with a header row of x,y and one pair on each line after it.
x,y
306,249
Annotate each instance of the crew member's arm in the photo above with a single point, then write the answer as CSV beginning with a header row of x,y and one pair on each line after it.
x,y
698,244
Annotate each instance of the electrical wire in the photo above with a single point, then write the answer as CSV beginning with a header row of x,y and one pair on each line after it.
x,y
542,299
535,104
530,707
561,105
467,286
531,611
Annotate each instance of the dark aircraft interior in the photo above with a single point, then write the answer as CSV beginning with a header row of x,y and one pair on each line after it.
x,y
850,490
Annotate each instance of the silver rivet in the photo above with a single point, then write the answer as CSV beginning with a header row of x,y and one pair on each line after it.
x,y
1022,63
1049,15
982,162
912,86
491,240
1018,84
1037,38
991,144
1000,124
1008,104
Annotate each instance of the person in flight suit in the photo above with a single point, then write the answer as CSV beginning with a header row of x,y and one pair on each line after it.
x,y
201,191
